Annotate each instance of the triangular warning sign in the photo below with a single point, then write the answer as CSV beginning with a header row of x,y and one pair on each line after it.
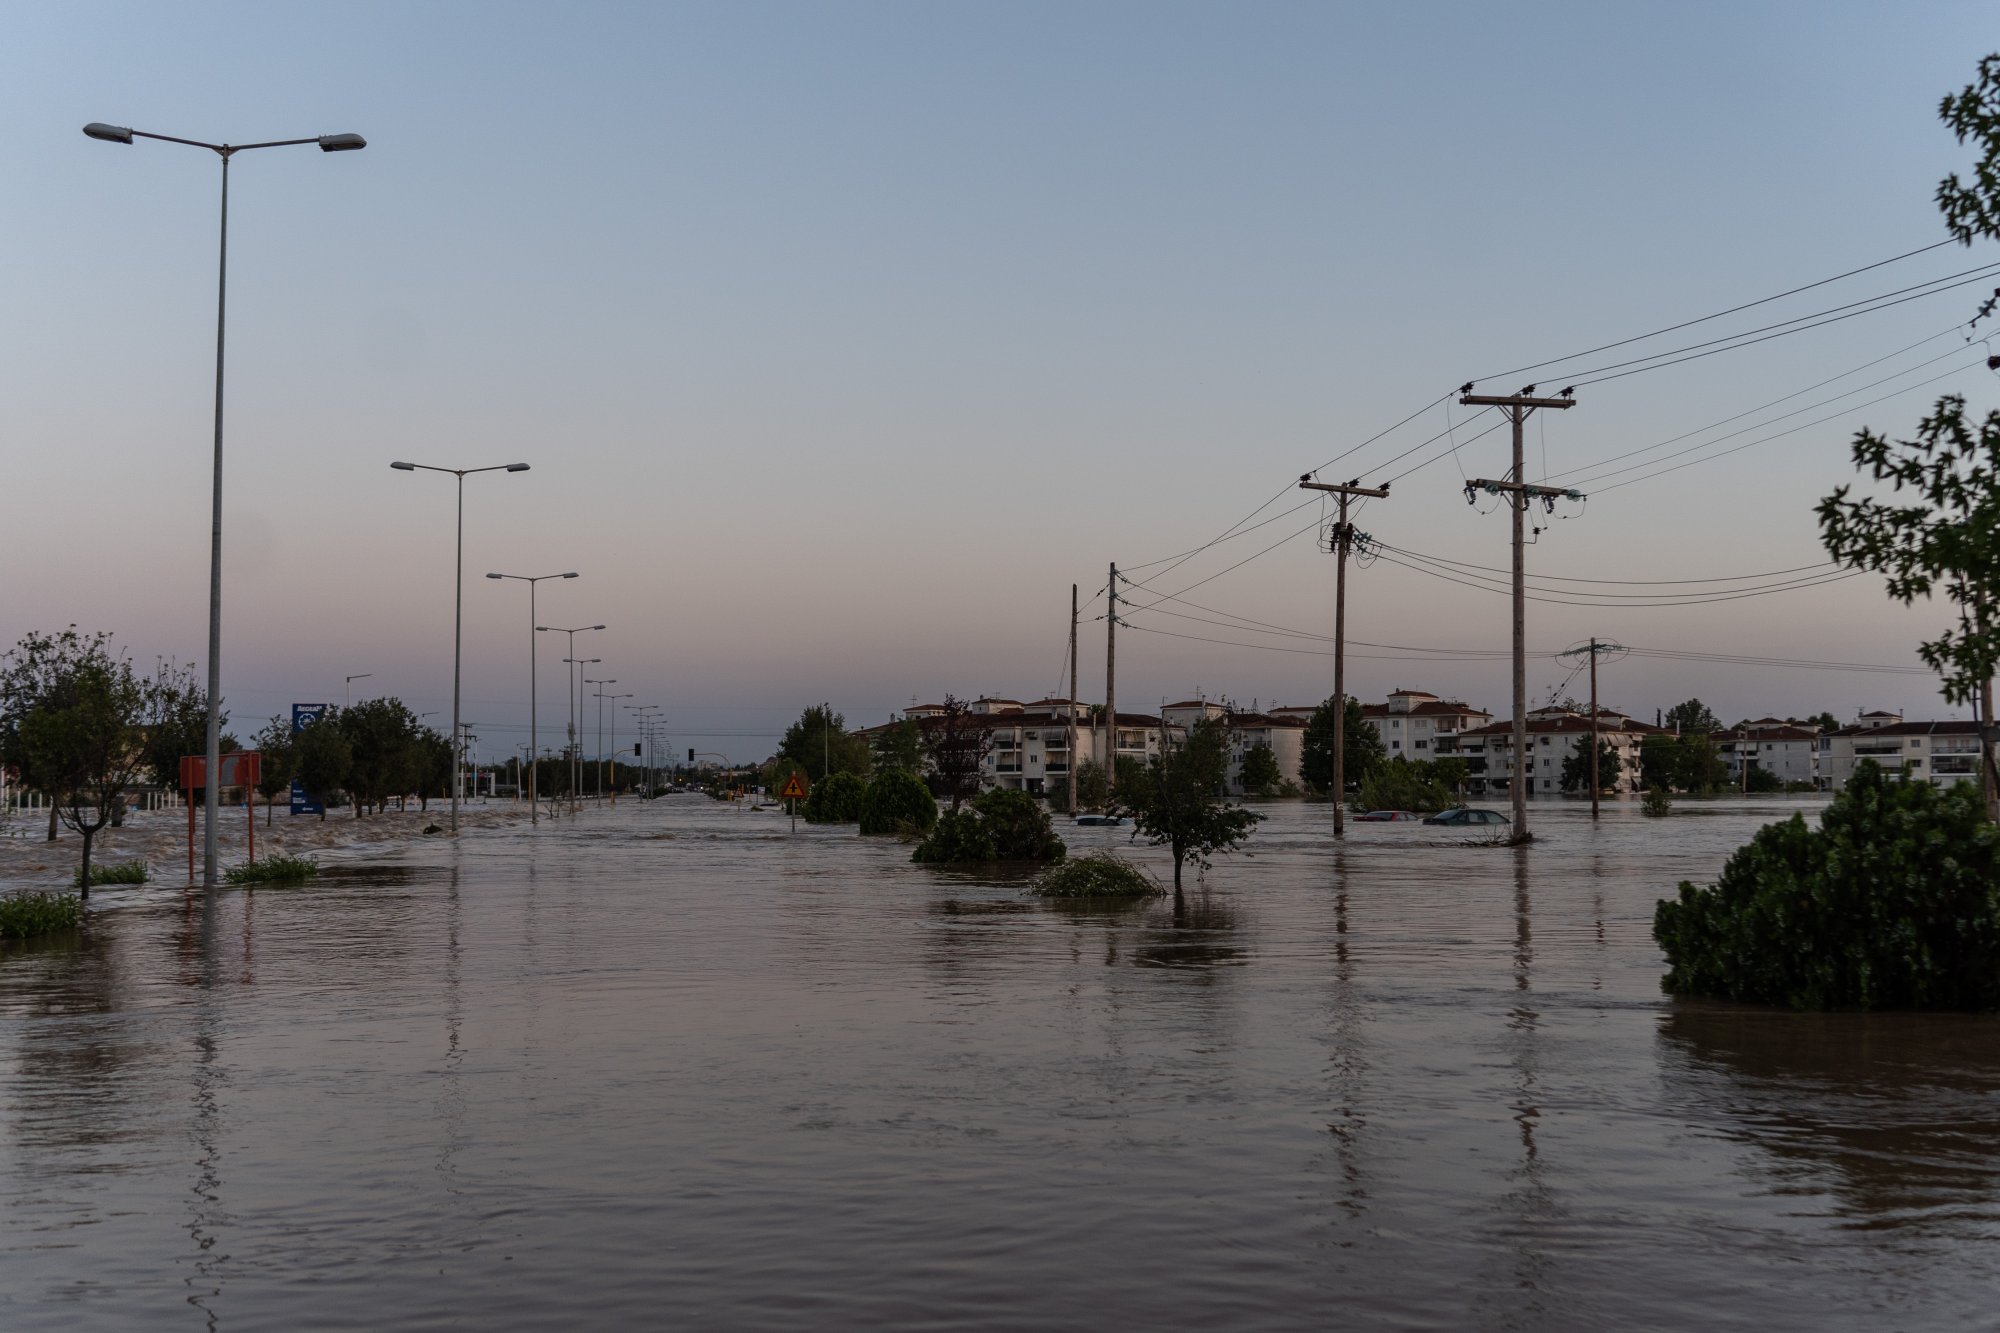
x,y
794,788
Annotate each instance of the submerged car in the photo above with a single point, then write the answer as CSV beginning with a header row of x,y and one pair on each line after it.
x,y
1101,821
1465,816
1387,817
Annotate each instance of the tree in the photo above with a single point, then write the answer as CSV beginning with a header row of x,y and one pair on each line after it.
x,y
900,745
1176,800
1260,774
278,762
820,743
897,801
1365,751
177,724
1576,768
1824,721
1699,767
836,800
998,825
1892,903
1658,755
383,736
84,737
28,680
430,765
323,757
956,742
1091,789
1692,718
1402,784
1949,539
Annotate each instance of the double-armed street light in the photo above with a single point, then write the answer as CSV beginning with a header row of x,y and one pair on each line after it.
x,y
576,728
534,768
327,143
600,726
571,659
457,605
640,711
601,752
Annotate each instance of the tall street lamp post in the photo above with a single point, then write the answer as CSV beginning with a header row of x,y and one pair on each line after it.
x,y
328,143
576,728
599,695
457,609
534,770
347,700
614,734
639,713
571,659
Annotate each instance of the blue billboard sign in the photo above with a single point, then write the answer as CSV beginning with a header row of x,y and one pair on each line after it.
x,y
303,716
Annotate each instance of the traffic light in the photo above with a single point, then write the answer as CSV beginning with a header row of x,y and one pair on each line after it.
x,y
690,756
637,748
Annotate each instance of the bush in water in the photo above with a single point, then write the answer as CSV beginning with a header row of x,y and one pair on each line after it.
x,y
1893,903
897,801
27,915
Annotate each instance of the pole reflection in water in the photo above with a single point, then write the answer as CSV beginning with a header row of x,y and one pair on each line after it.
x,y
1348,1060
206,1215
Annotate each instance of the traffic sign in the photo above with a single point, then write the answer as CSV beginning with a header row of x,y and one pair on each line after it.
x,y
794,788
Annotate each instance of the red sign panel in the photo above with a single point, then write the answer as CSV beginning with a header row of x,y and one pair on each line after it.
x,y
241,769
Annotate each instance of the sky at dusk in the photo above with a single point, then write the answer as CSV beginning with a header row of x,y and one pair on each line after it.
x,y
843,339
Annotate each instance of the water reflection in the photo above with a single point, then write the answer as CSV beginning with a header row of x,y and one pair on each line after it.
x,y
199,949
1895,1116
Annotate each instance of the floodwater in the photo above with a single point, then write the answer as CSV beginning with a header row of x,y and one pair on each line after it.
x,y
673,1066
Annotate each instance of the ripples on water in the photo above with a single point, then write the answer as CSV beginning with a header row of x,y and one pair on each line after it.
x,y
733,1077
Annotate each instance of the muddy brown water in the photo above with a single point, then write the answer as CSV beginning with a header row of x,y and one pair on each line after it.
x,y
738,1078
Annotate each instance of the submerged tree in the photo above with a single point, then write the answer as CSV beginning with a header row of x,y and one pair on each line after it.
x,y
277,762
75,724
956,742
1177,800
1363,744
1576,768
323,756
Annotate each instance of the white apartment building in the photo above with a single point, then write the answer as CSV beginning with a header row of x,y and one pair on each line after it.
x,y
1031,741
1940,753
1786,749
1553,735
1285,736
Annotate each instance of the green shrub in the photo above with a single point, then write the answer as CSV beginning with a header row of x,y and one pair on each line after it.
x,y
960,836
897,801
1657,801
130,872
1096,875
1402,785
26,915
1893,903
835,800
998,825
273,869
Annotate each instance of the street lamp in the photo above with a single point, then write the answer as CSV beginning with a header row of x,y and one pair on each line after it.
x,y
534,808
580,629
614,736
576,729
328,143
645,730
600,728
457,606
348,701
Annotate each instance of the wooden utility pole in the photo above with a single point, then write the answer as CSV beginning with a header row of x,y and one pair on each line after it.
x,y
1111,682
1596,648
1072,700
1343,540
1519,494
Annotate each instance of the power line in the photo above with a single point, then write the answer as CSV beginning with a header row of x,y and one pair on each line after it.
x,y
1748,305
1570,601
1564,578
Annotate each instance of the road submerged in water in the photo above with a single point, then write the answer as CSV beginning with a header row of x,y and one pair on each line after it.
x,y
670,1065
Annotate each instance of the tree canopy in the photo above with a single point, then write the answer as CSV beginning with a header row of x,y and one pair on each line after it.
x,y
820,743
1176,799
1692,717
1365,751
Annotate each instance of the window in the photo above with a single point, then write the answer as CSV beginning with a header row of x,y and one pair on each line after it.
x,y
1394,745
1396,724
1421,745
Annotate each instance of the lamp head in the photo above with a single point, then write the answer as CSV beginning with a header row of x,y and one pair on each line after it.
x,y
496,576
517,467
339,143
97,129
404,467
597,627
570,576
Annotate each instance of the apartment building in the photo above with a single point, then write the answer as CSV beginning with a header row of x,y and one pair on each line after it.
x,y
1553,735
1414,724
1787,749
1030,742
1939,753
1284,735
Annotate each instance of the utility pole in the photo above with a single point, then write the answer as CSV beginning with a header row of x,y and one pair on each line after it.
x,y
1072,700
1343,540
1111,683
1519,495
1596,648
